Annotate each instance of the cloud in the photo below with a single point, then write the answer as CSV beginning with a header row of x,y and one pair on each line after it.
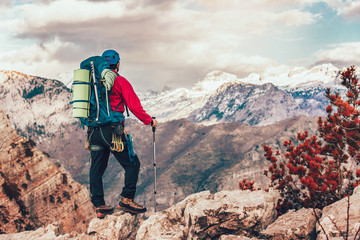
x,y
46,52
295,17
66,16
39,16
6,3
341,55
159,41
289,3
48,58
351,10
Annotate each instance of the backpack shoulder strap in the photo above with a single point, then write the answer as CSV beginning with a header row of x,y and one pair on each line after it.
x,y
125,105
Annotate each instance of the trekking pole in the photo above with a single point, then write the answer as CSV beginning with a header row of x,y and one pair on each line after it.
x,y
154,161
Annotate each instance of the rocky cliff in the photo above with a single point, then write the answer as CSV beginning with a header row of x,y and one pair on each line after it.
x,y
192,157
34,191
199,216
39,109
226,215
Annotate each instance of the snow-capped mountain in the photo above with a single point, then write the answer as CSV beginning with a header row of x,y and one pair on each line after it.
x,y
298,77
247,103
34,103
181,102
42,105
256,100
39,109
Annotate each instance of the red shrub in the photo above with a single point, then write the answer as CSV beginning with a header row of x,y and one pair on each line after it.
x,y
320,169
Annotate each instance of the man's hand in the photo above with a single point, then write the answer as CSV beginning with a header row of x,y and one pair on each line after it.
x,y
154,123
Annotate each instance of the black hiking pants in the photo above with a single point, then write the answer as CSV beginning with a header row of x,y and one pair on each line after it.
x,y
102,136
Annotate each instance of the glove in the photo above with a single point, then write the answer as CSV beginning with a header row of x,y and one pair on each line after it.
x,y
108,77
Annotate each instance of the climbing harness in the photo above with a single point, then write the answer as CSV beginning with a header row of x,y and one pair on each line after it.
x,y
119,140
102,135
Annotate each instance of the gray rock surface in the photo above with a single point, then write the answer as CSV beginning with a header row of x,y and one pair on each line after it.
x,y
334,218
226,215
119,225
52,231
293,225
207,216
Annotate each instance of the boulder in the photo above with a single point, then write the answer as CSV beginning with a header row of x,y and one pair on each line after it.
x,y
206,216
119,225
334,218
52,231
299,224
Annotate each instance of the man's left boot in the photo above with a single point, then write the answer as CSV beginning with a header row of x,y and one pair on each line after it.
x,y
128,205
104,210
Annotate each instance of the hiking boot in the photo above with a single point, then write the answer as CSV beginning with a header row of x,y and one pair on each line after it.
x,y
128,205
104,210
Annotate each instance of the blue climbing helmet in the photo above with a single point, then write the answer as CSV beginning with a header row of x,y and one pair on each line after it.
x,y
112,56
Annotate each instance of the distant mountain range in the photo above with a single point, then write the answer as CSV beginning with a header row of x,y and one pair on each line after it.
x,y
237,116
255,100
219,97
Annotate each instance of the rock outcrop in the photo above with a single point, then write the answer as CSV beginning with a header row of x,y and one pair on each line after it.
x,y
293,225
208,216
52,231
202,215
191,157
335,216
226,215
34,192
119,225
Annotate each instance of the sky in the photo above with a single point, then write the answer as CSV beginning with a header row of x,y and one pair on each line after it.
x,y
175,43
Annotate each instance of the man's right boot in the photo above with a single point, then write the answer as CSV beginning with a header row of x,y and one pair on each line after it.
x,y
104,210
128,205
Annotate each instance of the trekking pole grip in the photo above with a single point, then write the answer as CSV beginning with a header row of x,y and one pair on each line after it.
x,y
153,128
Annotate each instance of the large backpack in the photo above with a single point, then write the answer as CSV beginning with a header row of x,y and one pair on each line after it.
x,y
89,95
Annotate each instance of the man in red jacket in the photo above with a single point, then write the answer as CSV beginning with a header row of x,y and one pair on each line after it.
x,y
121,93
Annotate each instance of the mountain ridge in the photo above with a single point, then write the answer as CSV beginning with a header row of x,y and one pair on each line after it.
x,y
197,148
306,87
301,83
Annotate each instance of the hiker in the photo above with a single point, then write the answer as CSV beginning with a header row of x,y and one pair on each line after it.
x,y
103,137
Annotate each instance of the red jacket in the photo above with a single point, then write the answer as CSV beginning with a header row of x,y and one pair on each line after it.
x,y
122,92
